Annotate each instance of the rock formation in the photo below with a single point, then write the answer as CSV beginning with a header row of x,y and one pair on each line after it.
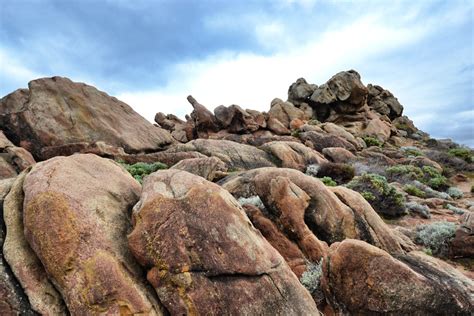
x,y
330,202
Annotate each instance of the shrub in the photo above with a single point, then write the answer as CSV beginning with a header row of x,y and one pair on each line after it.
x,y
310,279
430,192
456,210
435,236
141,169
449,162
314,122
339,172
411,151
455,193
420,209
372,141
328,181
252,200
427,175
312,170
462,152
413,190
385,199
404,172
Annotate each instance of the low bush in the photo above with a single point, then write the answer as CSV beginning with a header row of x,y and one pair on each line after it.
x,y
464,153
411,151
383,197
339,172
328,181
413,190
141,169
372,141
455,209
419,209
455,193
435,236
426,174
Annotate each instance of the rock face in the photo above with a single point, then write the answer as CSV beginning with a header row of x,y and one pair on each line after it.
x,y
462,244
56,112
203,255
79,206
361,279
209,168
384,102
13,159
234,155
293,155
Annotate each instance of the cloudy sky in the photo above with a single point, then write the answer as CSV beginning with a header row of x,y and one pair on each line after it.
x,y
152,54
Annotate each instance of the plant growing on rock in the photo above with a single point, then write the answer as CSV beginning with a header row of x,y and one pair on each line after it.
x,y
435,236
339,172
462,152
372,141
310,279
386,199
413,190
328,181
141,169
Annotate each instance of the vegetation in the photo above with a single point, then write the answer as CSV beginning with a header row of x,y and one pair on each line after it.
x,y
411,151
314,122
455,193
252,200
419,209
339,172
372,141
427,175
328,181
435,236
310,279
312,170
141,169
383,197
413,190
462,152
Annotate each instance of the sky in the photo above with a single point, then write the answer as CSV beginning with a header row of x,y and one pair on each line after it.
x,y
151,54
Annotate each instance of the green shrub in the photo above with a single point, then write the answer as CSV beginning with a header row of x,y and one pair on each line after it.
x,y
141,169
310,279
383,197
339,172
372,141
435,236
411,151
422,210
328,181
462,152
405,171
413,190
427,175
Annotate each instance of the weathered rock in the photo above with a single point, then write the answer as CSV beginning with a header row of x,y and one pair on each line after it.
x,y
237,120
234,155
13,159
462,245
300,91
56,112
203,254
285,112
338,154
377,128
328,215
204,120
384,102
22,260
293,155
277,127
362,279
339,131
13,300
209,168
168,158
97,148
79,206
168,122
319,141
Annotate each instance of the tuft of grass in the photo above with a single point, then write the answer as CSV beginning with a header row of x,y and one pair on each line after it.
x,y
372,141
435,236
140,170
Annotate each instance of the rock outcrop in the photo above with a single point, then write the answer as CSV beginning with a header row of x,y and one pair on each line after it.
x,y
204,257
13,159
56,113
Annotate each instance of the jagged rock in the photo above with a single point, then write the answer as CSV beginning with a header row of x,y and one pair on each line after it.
x,y
209,168
462,245
285,112
13,300
168,122
219,263
79,207
338,154
56,112
300,91
234,155
204,120
22,260
237,120
362,279
293,155
277,127
384,102
319,141
13,159
331,217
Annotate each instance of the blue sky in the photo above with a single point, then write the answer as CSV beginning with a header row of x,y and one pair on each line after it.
x,y
152,54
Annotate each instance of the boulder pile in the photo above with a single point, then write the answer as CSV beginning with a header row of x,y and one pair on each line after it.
x,y
332,203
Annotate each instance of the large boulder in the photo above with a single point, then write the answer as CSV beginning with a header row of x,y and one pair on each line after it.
x,y
58,112
239,121
293,155
300,92
285,112
203,256
234,155
79,207
360,279
209,168
319,141
331,216
384,102
204,120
